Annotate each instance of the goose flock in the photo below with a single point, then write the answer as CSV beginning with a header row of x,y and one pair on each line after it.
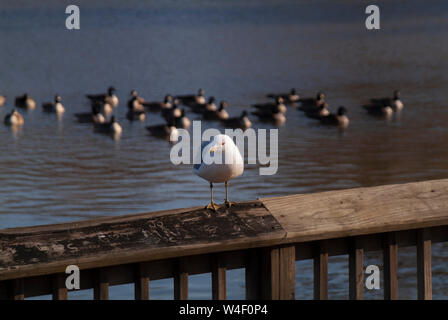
x,y
173,110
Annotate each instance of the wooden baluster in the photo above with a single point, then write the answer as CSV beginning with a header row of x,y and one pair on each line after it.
x,y
181,281
269,280
4,289
390,259
287,272
18,289
253,274
424,272
101,286
262,274
321,271
356,272
141,283
59,288
218,279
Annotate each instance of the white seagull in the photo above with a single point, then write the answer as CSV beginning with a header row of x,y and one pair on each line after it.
x,y
221,161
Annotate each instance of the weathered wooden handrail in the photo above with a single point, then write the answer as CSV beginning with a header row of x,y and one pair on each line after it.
x,y
265,237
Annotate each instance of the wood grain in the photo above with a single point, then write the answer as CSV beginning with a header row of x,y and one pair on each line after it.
x,y
287,272
390,259
59,288
321,271
46,250
352,212
181,280
424,272
218,278
141,284
356,270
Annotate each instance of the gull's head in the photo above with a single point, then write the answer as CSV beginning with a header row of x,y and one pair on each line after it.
x,y
220,160
220,142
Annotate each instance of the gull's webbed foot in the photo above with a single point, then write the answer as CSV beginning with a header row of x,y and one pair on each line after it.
x,y
212,206
228,204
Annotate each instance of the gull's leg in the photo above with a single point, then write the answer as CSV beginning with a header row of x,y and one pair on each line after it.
x,y
212,205
227,202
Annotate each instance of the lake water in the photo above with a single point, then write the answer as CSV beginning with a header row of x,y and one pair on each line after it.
x,y
58,171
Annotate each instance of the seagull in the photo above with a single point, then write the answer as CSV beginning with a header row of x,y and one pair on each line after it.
x,y
221,161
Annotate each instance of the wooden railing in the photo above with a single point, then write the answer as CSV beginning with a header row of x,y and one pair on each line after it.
x,y
266,237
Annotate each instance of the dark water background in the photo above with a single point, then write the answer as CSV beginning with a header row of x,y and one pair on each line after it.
x,y
53,172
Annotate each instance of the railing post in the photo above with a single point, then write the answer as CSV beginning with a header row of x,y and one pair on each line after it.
x,y
424,272
218,279
141,282
18,289
101,285
262,274
287,272
321,271
355,267
181,281
59,288
390,259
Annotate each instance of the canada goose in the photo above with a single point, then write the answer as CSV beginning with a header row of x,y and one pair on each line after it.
x,y
2,101
103,107
173,112
241,122
136,115
318,113
278,105
307,104
193,99
111,127
94,116
134,93
164,131
378,109
288,98
220,114
182,122
135,103
25,102
109,98
273,115
157,106
14,118
210,106
395,103
339,119
54,107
